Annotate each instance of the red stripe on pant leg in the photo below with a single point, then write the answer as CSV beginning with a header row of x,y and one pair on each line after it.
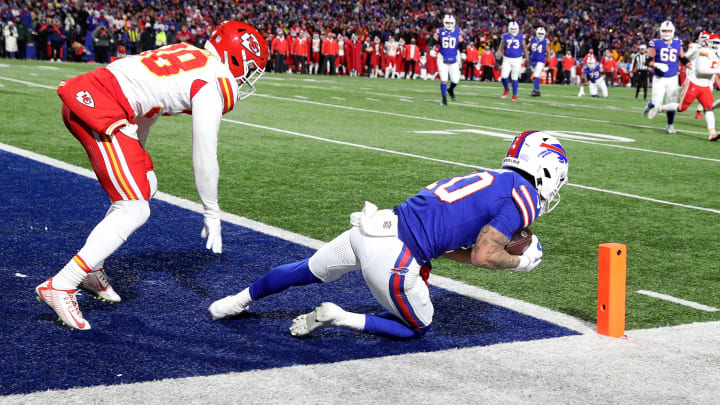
x,y
401,302
405,260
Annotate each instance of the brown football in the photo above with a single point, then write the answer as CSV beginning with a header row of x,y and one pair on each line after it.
x,y
519,242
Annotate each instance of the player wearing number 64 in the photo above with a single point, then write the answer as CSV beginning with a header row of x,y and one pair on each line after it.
x,y
110,111
469,219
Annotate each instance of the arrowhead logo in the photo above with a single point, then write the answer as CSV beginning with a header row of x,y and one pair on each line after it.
x,y
84,98
251,43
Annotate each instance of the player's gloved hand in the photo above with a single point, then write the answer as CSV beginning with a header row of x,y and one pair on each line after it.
x,y
433,53
663,67
531,258
463,55
211,231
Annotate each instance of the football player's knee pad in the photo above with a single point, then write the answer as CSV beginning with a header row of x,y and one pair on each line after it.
x,y
334,259
132,214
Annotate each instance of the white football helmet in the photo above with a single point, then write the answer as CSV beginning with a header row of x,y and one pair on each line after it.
x,y
667,30
591,62
513,28
540,33
541,157
449,22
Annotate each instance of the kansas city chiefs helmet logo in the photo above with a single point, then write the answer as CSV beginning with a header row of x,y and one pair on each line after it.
x,y
251,43
84,98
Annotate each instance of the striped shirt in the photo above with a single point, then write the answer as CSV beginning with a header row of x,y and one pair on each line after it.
x,y
639,62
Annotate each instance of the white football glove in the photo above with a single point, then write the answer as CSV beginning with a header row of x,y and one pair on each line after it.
x,y
211,231
663,67
531,258
463,55
433,53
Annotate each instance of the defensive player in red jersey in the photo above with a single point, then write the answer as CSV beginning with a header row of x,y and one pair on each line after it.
x,y
110,111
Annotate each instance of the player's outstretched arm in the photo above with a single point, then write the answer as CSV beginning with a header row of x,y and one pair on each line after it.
x,y
207,107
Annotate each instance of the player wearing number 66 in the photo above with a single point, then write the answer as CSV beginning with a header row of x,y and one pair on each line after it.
x,y
664,55
469,219
110,111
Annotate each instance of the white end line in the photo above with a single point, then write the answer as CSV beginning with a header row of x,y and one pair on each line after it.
x,y
680,301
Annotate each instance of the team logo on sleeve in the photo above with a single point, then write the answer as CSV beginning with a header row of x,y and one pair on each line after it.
x,y
251,43
84,98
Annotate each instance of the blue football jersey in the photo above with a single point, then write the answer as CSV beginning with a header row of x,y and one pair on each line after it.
x,y
449,44
668,54
592,74
513,45
448,214
538,50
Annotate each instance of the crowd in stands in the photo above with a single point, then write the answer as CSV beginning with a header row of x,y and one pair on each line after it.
x,y
344,36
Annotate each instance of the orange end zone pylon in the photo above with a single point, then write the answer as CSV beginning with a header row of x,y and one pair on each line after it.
x,y
612,260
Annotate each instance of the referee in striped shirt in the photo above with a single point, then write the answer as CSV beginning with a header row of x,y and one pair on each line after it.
x,y
639,62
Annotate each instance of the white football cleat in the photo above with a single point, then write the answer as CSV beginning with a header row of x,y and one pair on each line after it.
x,y
652,112
323,316
96,284
228,306
670,129
64,303
646,110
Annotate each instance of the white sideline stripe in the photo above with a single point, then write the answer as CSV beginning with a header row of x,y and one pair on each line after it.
x,y
458,287
691,304
493,128
355,145
28,83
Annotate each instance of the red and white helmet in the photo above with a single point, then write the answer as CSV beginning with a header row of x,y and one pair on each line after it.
x,y
714,42
541,158
703,39
667,30
243,50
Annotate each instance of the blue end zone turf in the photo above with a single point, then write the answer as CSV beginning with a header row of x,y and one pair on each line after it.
x,y
167,280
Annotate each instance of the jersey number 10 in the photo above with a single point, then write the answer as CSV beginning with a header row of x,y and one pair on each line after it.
x,y
480,181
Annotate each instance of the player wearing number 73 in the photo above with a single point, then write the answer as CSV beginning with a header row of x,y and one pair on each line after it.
x,y
110,111
469,219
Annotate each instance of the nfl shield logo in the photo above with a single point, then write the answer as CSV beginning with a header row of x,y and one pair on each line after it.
x,y
387,225
84,98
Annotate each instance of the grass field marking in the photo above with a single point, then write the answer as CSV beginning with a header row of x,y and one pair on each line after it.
x,y
442,121
535,311
505,109
427,119
691,304
450,162
31,84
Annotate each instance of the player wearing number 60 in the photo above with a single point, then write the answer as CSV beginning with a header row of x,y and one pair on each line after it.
x,y
469,219
110,111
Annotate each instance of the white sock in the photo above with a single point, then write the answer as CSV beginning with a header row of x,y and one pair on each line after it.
x,y
121,220
710,120
243,297
70,277
351,320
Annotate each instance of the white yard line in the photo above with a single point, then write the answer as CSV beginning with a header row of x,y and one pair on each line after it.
x,y
28,83
535,311
450,162
465,124
691,304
